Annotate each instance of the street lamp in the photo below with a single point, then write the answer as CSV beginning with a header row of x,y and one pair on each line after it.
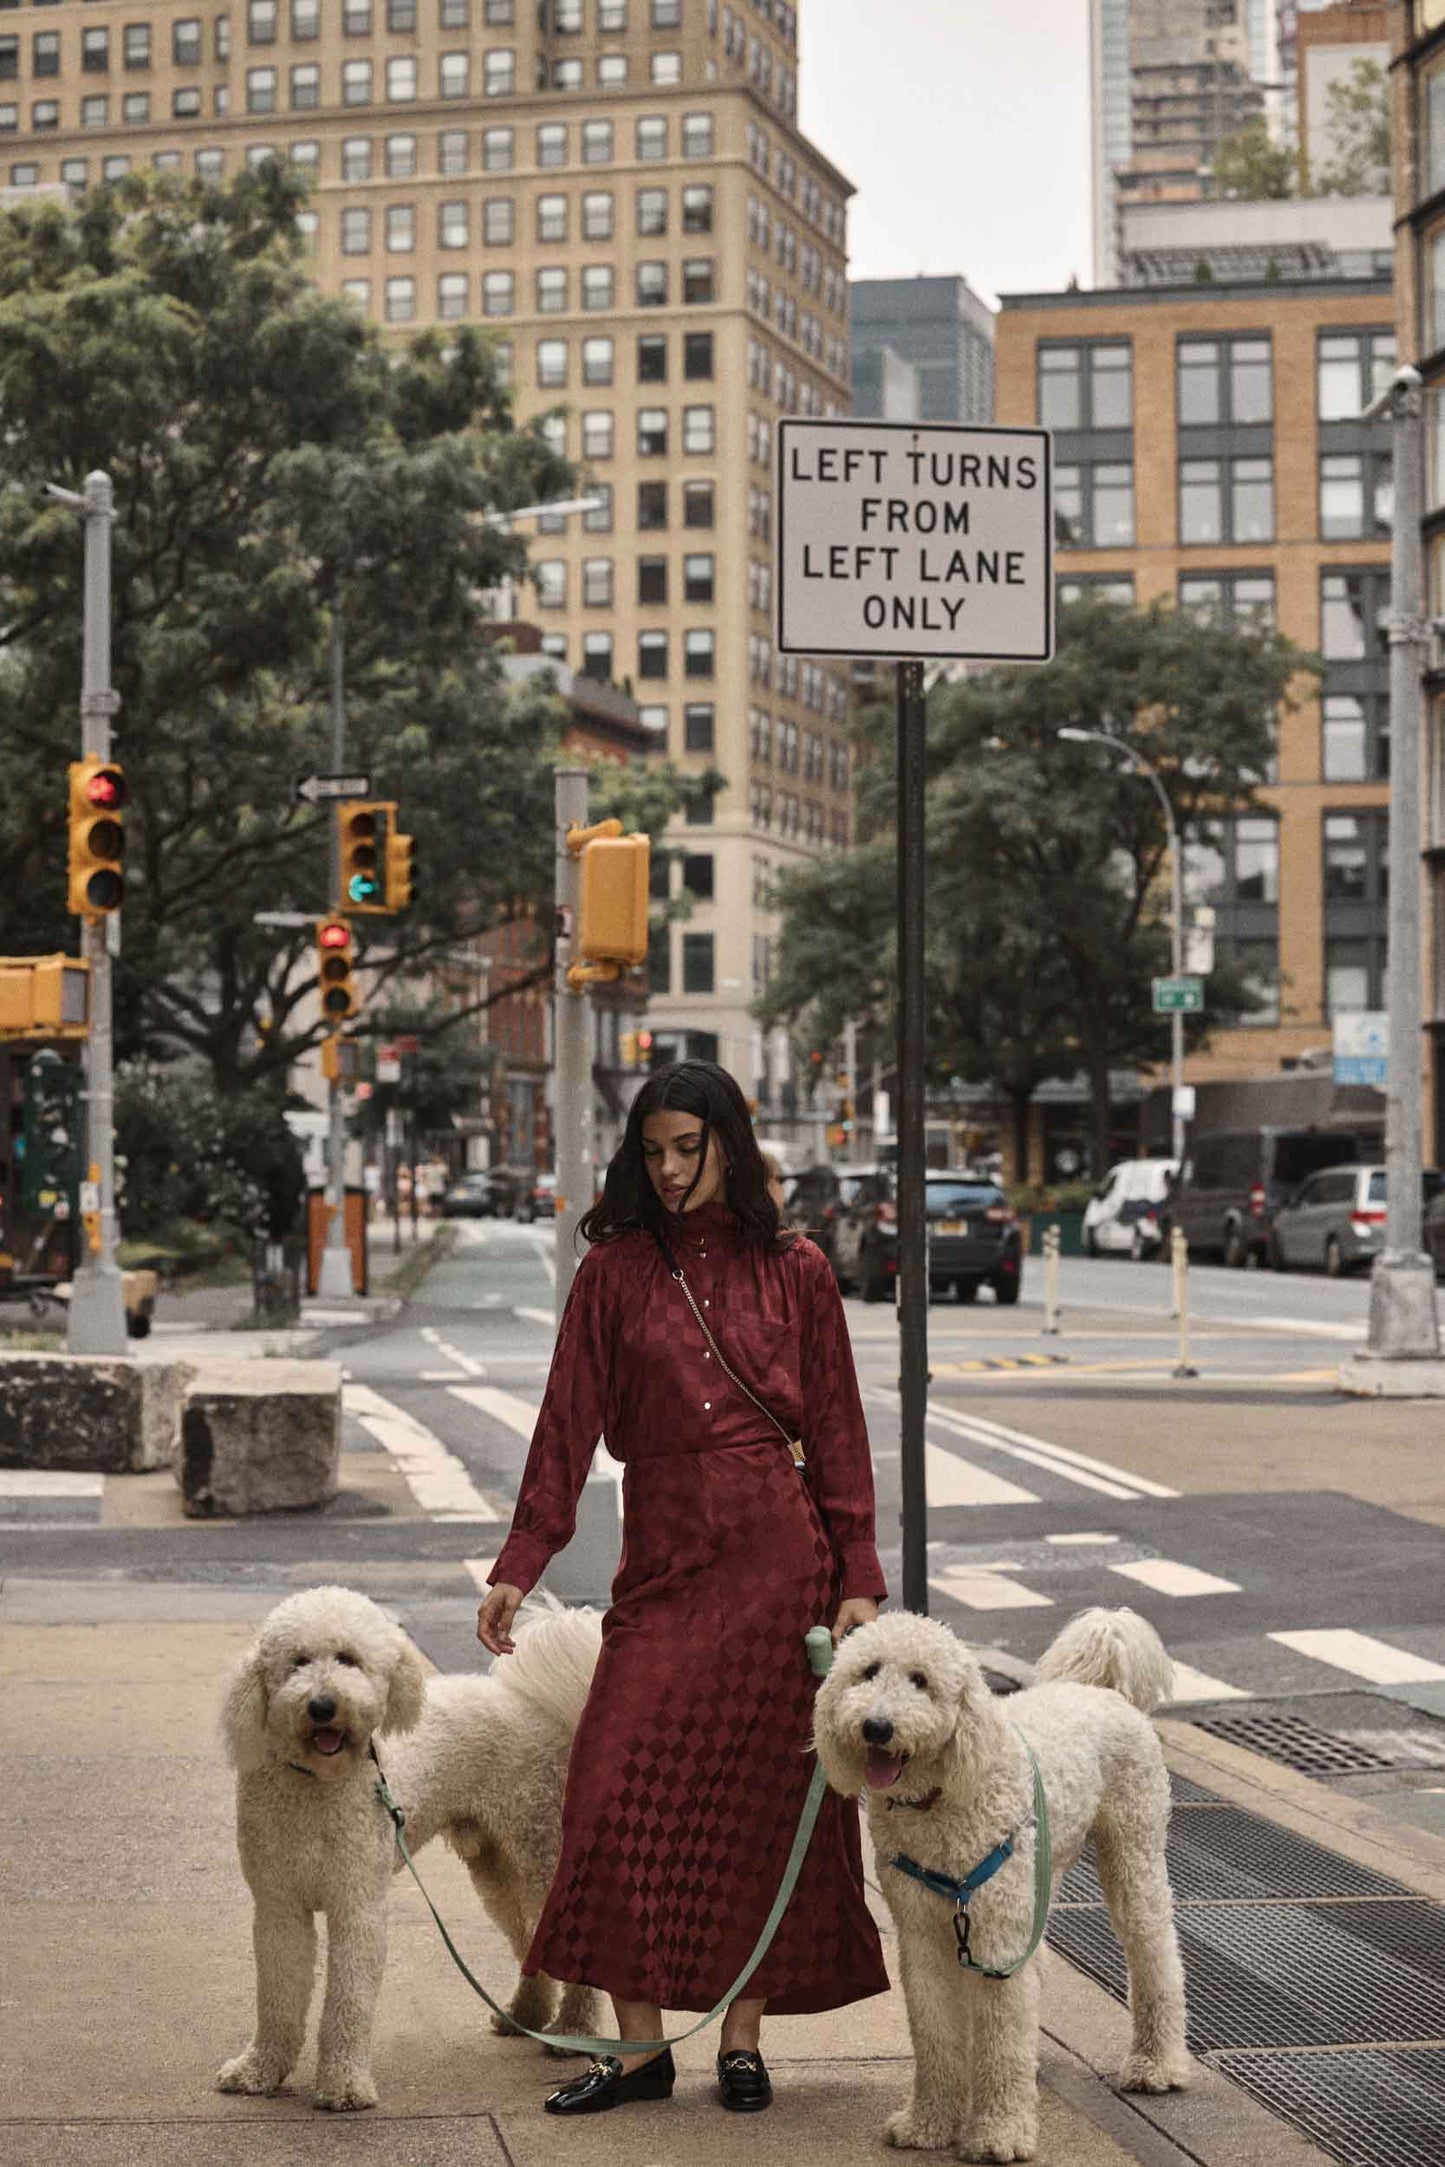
x,y
1138,765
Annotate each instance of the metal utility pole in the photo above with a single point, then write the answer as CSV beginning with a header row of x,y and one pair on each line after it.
x,y
572,1036
334,1281
1403,1323
912,1055
850,1062
96,1323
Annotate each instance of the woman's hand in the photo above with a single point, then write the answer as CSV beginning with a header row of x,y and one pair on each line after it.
x,y
857,1610
495,1615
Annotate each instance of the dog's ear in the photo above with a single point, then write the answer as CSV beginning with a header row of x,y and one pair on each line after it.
x,y
406,1690
243,1714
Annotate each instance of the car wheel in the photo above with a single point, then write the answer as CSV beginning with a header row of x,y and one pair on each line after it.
x,y
138,1323
1006,1291
1138,1247
1277,1258
877,1286
1091,1242
1334,1259
1236,1248
1164,1247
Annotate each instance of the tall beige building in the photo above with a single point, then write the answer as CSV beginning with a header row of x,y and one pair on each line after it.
x,y
618,189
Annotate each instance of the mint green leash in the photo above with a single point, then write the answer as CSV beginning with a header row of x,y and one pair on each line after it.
x,y
819,1643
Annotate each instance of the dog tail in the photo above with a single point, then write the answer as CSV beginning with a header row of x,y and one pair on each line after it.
x,y
553,1665
1114,1648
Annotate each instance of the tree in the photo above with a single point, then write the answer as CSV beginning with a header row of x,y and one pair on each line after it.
x,y
1252,166
1357,127
1046,864
277,471
191,1155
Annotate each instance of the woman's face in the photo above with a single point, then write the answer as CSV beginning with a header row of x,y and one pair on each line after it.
x,y
672,1146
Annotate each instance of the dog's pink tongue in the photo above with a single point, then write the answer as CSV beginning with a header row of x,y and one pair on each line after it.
x,y
326,1741
884,1769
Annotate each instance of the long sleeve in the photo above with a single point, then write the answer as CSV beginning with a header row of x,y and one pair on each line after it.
x,y
835,1435
569,1424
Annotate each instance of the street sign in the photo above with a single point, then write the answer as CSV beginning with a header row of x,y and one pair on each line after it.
x,y
388,1065
1178,996
1362,1047
332,789
904,542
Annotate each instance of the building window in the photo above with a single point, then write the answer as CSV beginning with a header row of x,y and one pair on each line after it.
x,y
597,361
697,875
697,135
136,45
599,519
597,215
652,358
596,142
1224,382
1085,386
306,157
305,20
401,157
699,283
551,291
401,79
651,506
400,228
261,22
611,16
652,285
697,504
551,218
497,293
1356,495
356,18
651,213
452,296
1355,733
667,68
551,364
186,42
598,433
499,14
135,107
1355,973
552,144
698,727
75,172
652,654
697,962
355,158
305,88
550,580
115,167
667,14
597,582
1354,368
455,14
699,579
453,225
498,150
652,432
499,73
260,90
401,300
1226,500
1355,615
1356,857
95,112
651,580
454,78
699,428
210,166
452,152
699,653
651,139
697,356
186,104
612,71
499,221
659,957
697,210
1237,597
597,286
356,82
1094,505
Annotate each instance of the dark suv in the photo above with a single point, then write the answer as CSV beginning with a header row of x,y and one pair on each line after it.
x,y
974,1238
1234,1181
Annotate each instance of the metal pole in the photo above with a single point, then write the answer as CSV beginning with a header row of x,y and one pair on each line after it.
x,y
96,1323
1403,1325
912,1056
1179,1260
335,1280
850,1062
1176,1021
572,1047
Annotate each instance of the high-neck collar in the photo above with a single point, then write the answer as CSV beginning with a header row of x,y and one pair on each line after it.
x,y
712,1218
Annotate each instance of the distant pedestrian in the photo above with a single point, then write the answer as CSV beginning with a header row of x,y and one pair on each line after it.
x,y
772,1168
689,1769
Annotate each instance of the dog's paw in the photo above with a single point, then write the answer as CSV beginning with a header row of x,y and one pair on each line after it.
x,y
502,2026
346,2093
562,2053
1154,2073
914,2130
999,2141
245,2074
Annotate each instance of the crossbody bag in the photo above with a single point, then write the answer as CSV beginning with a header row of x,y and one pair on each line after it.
x,y
794,1444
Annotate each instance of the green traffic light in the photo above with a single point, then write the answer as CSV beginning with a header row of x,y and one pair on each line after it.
x,y
363,888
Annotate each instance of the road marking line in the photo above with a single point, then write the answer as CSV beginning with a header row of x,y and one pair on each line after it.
x,y
49,1482
1167,1577
1062,1539
479,1568
505,1407
953,1480
442,1376
1040,1459
548,1256
537,1316
437,1479
979,1589
1191,1685
1363,1657
466,1363
990,1431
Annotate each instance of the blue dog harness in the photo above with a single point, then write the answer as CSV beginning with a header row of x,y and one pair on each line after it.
x,y
960,1893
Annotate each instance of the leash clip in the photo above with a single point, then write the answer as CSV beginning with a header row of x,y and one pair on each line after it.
x,y
960,1929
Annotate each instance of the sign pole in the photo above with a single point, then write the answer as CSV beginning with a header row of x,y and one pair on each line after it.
x,y
334,1281
912,1053
572,1040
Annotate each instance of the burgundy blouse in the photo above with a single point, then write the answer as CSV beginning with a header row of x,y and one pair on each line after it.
x,y
631,1365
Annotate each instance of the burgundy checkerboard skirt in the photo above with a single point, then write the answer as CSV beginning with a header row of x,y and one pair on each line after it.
x,y
691,1762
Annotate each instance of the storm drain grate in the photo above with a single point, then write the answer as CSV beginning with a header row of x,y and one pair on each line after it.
x,y
1332,1734
1290,1975
1186,1792
1229,1856
1371,2109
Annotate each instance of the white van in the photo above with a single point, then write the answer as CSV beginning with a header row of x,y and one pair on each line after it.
x,y
1122,1215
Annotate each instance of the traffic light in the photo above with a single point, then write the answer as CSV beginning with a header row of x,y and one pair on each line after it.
x,y
44,997
361,857
333,970
400,865
97,837
613,916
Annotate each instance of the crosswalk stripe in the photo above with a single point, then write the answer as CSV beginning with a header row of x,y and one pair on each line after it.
x,y
979,1589
49,1482
1167,1577
989,1431
1197,1685
953,1480
479,1568
437,1479
537,1316
1035,1458
505,1407
1363,1657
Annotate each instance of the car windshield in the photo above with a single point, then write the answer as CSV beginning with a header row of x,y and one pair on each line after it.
x,y
954,1199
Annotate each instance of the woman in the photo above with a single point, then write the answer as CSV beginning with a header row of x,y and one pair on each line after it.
x,y
691,1763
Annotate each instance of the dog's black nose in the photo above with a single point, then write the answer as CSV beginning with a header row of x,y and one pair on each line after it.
x,y
321,1710
877,1730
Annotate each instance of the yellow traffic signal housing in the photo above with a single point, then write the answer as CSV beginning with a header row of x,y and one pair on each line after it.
x,y
44,997
362,829
334,962
400,865
616,871
97,837
340,1059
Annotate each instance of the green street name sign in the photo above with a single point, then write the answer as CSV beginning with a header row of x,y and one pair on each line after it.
x,y
1179,996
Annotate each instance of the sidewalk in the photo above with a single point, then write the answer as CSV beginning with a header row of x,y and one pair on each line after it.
x,y
128,1970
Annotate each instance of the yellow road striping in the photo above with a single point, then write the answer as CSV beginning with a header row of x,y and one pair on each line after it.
x,y
998,1362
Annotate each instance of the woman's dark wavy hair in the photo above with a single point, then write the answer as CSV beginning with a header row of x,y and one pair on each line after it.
x,y
703,1089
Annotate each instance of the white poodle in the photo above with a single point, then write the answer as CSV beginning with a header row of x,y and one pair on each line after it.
x,y
483,1761
906,1716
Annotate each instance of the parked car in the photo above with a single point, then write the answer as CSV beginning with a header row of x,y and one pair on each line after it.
x,y
1122,1215
1235,1180
974,1238
474,1196
1435,1231
813,1199
1335,1222
538,1198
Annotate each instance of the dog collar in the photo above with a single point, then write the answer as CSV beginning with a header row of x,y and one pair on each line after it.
x,y
917,1805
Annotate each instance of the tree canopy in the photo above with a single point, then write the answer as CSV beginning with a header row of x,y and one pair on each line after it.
x,y
1357,126
1251,165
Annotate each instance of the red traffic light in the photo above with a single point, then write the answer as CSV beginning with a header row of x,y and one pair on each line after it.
x,y
106,788
644,1041
334,933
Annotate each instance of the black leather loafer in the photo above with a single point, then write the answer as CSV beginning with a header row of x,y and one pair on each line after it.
x,y
742,2082
606,2084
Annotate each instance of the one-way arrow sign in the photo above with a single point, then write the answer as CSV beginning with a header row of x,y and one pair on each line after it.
x,y
333,789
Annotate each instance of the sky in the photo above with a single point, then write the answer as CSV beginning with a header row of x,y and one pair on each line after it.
x,y
964,126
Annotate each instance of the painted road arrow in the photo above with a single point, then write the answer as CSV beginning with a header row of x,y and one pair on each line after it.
x,y
333,789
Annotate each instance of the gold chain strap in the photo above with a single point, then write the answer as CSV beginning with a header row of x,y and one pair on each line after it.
x,y
794,1444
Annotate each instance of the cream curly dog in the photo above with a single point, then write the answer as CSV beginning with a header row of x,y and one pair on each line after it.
x,y
906,1716
481,1760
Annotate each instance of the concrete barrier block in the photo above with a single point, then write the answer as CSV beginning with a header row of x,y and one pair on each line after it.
x,y
104,1414
259,1437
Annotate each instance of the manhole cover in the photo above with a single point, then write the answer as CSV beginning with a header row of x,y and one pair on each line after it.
x,y
1229,1856
1290,1975
1332,1734
1381,2108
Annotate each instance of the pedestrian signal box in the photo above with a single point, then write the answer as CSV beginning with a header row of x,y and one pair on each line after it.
x,y
400,864
98,796
44,997
361,829
616,872
334,968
